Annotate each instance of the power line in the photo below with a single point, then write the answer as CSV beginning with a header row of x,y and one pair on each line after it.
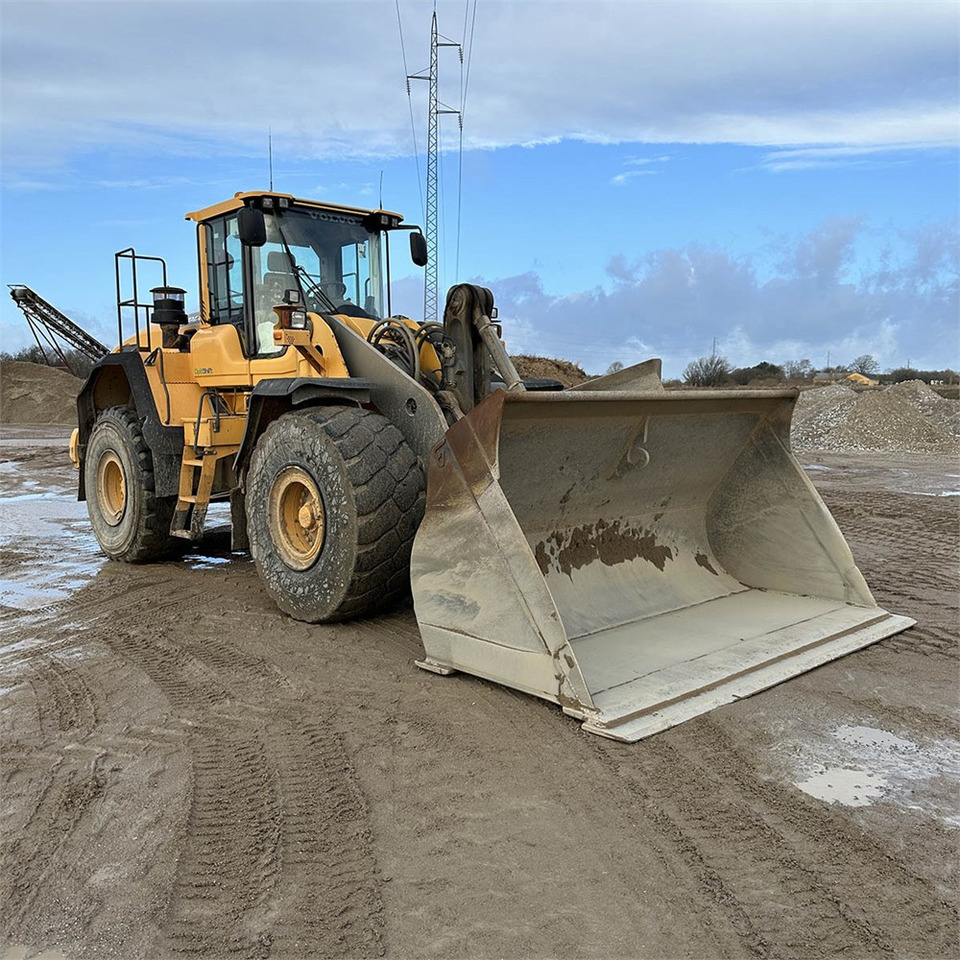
x,y
459,197
473,24
413,126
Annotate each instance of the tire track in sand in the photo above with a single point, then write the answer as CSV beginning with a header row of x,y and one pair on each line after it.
x,y
276,853
29,858
276,860
65,700
275,846
796,880
926,641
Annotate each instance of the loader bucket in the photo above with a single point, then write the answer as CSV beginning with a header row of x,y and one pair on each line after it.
x,y
637,558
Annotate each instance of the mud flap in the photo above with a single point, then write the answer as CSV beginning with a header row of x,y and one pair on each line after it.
x,y
637,558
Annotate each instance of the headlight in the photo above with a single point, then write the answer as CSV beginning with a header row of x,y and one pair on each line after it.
x,y
298,319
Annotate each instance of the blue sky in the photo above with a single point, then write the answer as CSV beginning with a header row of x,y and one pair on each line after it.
x,y
637,178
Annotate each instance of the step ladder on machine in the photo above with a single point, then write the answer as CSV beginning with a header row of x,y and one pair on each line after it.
x,y
207,441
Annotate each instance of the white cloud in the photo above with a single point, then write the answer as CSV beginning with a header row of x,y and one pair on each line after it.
x,y
819,158
621,178
144,183
673,303
643,161
177,77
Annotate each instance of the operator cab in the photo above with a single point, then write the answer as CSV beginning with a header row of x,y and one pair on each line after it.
x,y
257,248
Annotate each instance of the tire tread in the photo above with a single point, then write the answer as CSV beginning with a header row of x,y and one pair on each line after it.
x,y
388,491
152,540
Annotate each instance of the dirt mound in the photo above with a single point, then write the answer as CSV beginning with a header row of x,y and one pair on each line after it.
x,y
934,407
895,420
33,393
817,413
569,374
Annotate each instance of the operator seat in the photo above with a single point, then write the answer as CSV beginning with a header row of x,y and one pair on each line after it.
x,y
278,277
276,281
337,292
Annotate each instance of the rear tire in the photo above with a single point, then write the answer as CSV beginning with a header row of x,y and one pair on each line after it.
x,y
130,521
334,497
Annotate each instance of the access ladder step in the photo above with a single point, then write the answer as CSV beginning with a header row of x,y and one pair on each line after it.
x,y
194,496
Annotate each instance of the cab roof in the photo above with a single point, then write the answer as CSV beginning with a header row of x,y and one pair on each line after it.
x,y
239,200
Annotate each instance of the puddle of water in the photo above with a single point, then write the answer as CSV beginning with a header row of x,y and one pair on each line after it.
x,y
32,589
852,788
873,737
200,562
38,517
919,481
29,597
857,765
54,525
19,645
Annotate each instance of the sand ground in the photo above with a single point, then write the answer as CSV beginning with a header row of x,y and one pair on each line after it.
x,y
188,772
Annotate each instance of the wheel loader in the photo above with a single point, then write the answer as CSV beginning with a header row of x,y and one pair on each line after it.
x,y
635,555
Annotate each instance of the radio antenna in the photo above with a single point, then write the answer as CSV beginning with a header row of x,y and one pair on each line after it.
x,y
270,154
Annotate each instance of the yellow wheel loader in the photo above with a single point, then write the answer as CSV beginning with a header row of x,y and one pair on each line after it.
x,y
637,556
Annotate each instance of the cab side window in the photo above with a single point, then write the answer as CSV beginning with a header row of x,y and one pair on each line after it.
x,y
224,271
272,277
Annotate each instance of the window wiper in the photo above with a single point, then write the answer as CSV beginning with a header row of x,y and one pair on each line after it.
x,y
313,286
301,275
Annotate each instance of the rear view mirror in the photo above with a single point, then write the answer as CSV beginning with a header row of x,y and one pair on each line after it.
x,y
251,227
418,249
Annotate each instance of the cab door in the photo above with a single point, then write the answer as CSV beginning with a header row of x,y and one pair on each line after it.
x,y
219,349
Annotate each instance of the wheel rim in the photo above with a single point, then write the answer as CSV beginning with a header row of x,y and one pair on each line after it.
x,y
111,488
297,519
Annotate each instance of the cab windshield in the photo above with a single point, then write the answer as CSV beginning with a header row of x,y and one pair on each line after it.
x,y
336,264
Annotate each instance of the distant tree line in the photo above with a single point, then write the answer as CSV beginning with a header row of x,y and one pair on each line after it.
x,y
77,363
710,371
716,371
900,374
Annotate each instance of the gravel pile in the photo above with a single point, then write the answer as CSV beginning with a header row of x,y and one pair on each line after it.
x,y
818,413
899,419
930,404
33,393
543,368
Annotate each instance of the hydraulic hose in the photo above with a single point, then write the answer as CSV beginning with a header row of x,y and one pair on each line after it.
x,y
498,352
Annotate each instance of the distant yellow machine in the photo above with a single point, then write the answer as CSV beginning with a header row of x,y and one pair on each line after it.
x,y
860,380
635,555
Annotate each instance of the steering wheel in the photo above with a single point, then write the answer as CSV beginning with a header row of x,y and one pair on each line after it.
x,y
335,290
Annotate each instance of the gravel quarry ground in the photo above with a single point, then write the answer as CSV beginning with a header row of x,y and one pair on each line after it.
x,y
185,771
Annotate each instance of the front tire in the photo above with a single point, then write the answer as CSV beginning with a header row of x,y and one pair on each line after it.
x,y
130,521
334,498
